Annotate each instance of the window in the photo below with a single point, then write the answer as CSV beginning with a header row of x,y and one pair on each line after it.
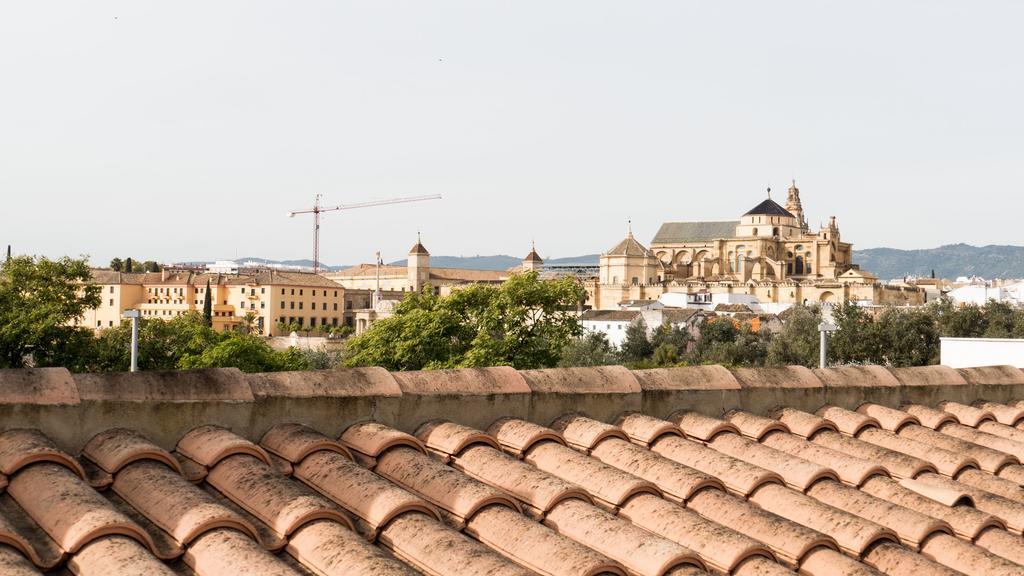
x,y
293,291
755,232
336,306
325,306
263,305
314,293
111,289
300,291
111,301
98,323
263,290
335,293
775,231
312,322
300,304
282,291
334,321
110,323
635,281
291,305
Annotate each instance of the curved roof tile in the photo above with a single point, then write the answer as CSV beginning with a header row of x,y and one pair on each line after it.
x,y
275,500
115,448
966,521
117,555
1009,415
21,447
796,471
894,463
518,436
847,421
585,433
946,462
676,480
450,439
739,477
803,424
701,427
609,486
173,504
372,438
293,442
329,548
208,445
645,430
753,426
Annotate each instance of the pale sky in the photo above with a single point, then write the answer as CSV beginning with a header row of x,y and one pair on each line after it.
x,y
187,130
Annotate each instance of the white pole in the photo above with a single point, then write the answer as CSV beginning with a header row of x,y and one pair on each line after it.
x,y
823,353
135,344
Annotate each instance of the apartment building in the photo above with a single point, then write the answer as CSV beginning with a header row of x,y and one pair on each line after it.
x,y
272,299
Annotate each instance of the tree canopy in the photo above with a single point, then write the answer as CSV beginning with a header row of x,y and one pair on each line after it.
x,y
524,322
39,301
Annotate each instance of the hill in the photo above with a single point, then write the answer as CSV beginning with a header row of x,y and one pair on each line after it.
x,y
949,261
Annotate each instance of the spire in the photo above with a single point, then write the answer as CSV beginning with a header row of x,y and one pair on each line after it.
x,y
418,248
629,228
794,206
769,192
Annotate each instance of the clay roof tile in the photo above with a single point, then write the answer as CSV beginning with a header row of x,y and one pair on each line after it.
x,y
929,417
850,469
740,477
645,430
518,436
585,433
952,506
13,563
797,472
803,424
754,426
117,555
967,415
326,547
278,502
609,486
848,422
223,551
172,503
21,447
370,439
441,485
68,509
208,445
115,448
450,439
19,531
895,463
537,490
366,495
890,418
1009,415
701,427
945,461
293,442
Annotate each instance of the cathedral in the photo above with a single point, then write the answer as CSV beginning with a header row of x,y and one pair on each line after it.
x,y
769,253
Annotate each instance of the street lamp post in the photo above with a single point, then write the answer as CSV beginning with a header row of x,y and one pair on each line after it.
x,y
134,315
824,328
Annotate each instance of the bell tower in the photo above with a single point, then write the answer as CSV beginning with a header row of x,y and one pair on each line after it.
x,y
795,208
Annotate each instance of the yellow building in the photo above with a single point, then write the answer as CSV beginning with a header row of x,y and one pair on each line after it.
x,y
270,297
769,253
394,280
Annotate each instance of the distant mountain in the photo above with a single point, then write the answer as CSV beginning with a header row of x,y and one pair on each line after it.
x,y
887,263
499,262
947,261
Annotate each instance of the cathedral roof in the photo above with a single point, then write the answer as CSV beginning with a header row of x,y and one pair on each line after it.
x,y
676,232
418,248
533,256
629,247
769,208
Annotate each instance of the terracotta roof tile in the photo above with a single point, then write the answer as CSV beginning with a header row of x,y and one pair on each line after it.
x,y
720,486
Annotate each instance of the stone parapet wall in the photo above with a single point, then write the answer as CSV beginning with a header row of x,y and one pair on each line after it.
x,y
71,408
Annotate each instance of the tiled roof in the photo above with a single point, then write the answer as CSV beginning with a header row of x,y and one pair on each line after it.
x,y
672,472
732,308
678,232
611,315
629,247
769,207
264,277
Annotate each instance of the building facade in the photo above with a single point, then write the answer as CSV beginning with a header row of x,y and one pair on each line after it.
x,y
270,300
770,253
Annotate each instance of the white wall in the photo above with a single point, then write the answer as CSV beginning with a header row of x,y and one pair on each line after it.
x,y
614,330
971,352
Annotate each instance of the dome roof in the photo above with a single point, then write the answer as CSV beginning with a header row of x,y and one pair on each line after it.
x,y
769,208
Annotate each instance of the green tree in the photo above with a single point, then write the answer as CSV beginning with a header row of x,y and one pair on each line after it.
x,y
525,322
665,355
1000,318
636,347
676,338
116,264
162,344
798,342
208,306
855,339
128,265
246,352
39,300
907,338
591,349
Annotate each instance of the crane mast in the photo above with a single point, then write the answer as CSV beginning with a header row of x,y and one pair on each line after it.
x,y
317,209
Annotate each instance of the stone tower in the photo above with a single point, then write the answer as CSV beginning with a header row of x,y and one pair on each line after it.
x,y
795,208
418,266
533,260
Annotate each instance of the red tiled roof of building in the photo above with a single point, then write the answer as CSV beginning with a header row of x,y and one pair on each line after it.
x,y
674,471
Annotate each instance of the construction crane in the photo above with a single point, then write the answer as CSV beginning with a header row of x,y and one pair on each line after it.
x,y
317,209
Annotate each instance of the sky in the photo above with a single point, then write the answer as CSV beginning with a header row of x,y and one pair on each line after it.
x,y
182,130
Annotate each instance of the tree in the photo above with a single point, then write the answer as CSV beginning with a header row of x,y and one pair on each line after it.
x,y
963,321
128,265
855,339
208,306
636,347
591,349
676,338
162,344
39,300
907,338
116,264
525,322
798,342
246,352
